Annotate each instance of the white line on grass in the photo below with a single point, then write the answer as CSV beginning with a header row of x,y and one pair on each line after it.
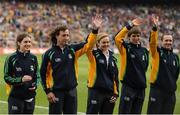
x,y
37,106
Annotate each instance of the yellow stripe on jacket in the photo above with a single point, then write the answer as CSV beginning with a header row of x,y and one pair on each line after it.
x,y
8,88
155,56
49,78
119,43
92,69
88,46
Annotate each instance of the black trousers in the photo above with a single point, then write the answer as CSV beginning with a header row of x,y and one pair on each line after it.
x,y
19,106
161,102
131,100
66,104
99,102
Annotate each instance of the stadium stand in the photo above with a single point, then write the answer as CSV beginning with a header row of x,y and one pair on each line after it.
x,y
38,17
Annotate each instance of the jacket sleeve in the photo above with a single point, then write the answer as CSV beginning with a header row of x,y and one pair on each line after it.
x,y
147,60
46,73
178,68
119,39
90,42
37,73
9,75
153,42
116,82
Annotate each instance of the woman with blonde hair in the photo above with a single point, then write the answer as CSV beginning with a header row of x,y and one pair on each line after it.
x,y
103,78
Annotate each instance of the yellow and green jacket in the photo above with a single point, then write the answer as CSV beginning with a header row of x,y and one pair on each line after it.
x,y
59,69
165,65
103,75
134,61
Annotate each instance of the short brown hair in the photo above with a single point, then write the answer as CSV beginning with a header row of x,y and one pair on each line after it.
x,y
134,30
20,37
165,34
56,31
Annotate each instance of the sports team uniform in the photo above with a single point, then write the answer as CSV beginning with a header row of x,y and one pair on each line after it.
x,y
21,100
59,74
163,78
134,64
102,82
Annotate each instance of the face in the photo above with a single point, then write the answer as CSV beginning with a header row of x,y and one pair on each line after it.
x,y
63,38
104,44
135,38
167,41
25,44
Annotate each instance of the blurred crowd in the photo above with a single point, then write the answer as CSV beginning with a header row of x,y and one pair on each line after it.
x,y
39,18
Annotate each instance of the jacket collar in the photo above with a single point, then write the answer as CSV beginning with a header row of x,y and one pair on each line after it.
x,y
22,54
166,50
135,45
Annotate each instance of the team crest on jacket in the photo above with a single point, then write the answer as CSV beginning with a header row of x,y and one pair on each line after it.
x,y
70,56
57,59
32,68
164,61
132,56
112,64
143,57
174,63
18,69
101,61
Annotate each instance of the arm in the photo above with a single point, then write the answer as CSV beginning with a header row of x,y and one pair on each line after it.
x,y
153,42
177,72
46,76
119,38
45,72
116,79
9,76
147,60
116,84
91,40
37,75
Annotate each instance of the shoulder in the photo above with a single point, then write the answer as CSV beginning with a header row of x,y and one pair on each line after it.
x,y
49,51
33,56
145,49
12,56
112,54
176,55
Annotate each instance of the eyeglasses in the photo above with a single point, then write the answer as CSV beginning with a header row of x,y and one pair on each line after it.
x,y
135,35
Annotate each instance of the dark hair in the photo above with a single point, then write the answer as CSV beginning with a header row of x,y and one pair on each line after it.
x,y
56,32
134,30
20,37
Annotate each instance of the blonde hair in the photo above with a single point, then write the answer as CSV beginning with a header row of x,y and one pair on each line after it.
x,y
100,36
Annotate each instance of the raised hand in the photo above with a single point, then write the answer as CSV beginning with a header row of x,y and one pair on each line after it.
x,y
137,21
97,21
155,20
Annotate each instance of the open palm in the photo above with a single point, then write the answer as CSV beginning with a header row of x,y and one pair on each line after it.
x,y
137,21
155,20
97,21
